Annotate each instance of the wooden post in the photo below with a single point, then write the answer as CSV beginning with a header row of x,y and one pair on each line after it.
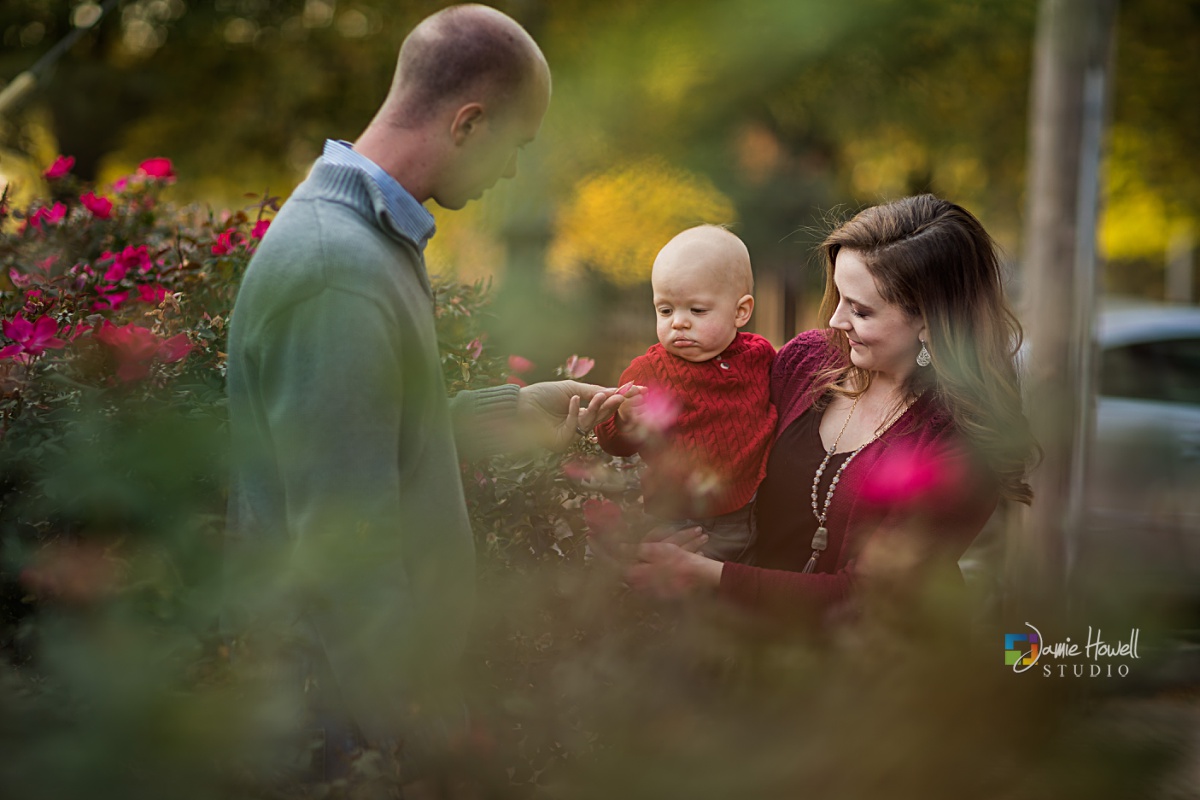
x,y
1067,119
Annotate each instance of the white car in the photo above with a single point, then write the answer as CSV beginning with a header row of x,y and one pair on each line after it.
x,y
1141,528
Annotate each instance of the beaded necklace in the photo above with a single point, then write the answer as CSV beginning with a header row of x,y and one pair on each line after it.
x,y
820,539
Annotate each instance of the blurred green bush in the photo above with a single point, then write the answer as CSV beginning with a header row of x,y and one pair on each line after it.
x,y
114,682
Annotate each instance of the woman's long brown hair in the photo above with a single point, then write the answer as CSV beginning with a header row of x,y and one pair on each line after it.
x,y
935,261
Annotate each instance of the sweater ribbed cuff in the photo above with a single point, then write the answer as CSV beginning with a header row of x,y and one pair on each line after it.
x,y
484,419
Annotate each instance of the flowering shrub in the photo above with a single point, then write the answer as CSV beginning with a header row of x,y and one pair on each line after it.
x,y
114,304
113,310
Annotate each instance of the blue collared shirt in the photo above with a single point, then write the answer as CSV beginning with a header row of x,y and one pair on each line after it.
x,y
412,218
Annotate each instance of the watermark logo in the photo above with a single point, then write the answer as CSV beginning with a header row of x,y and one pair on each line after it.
x,y
1022,650
1094,659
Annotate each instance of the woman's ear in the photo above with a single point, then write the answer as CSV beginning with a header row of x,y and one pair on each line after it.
x,y
745,307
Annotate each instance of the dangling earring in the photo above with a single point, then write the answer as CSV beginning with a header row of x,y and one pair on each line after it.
x,y
923,357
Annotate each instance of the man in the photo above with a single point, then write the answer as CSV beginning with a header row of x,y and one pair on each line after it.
x,y
345,459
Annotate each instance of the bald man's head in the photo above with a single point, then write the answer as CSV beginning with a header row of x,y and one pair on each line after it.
x,y
464,53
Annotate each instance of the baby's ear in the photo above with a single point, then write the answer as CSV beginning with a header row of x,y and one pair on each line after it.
x,y
745,307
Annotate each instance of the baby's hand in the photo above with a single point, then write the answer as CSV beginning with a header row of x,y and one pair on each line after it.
x,y
629,410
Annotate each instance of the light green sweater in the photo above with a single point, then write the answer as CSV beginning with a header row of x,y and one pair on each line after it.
x,y
346,511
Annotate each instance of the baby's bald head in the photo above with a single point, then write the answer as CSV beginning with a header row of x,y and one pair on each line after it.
x,y
709,252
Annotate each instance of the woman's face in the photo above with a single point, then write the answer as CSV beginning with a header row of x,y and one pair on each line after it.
x,y
883,337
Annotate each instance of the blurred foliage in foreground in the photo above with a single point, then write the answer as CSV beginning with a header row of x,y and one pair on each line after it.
x,y
114,684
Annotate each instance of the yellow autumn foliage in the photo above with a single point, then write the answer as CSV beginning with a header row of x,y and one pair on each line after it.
x,y
1139,219
617,220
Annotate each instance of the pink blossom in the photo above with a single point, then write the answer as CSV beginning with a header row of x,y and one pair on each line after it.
x,y
30,338
514,379
603,517
174,349
101,207
60,168
151,294
658,411
120,184
137,258
109,298
903,476
475,348
20,280
115,272
578,367
581,468
46,263
519,364
73,332
226,242
137,348
157,169
49,216
260,229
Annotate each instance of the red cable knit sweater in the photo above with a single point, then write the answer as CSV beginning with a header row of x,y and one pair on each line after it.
x,y
951,516
712,458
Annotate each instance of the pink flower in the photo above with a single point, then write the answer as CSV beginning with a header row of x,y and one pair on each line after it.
x,y
74,332
581,468
120,184
159,169
151,294
31,338
603,517
109,298
658,411
475,348
49,216
514,379
46,263
519,364
60,168
131,258
115,272
260,229
20,280
578,367
226,242
174,349
101,207
137,348
903,477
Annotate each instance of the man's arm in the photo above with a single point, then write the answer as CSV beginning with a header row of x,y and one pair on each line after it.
x,y
549,414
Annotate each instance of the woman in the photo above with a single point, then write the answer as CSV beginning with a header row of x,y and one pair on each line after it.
x,y
900,426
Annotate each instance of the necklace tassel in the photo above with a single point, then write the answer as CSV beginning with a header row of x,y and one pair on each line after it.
x,y
811,566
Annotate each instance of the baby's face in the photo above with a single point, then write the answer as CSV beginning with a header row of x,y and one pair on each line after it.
x,y
698,311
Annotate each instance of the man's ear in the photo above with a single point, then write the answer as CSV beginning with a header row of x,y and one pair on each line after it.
x,y
745,307
466,121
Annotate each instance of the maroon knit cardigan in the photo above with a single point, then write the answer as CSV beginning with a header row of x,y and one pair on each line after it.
x,y
951,515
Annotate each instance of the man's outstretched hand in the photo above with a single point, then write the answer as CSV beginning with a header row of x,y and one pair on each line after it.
x,y
556,411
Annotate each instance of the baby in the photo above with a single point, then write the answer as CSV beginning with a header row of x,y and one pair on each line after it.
x,y
704,423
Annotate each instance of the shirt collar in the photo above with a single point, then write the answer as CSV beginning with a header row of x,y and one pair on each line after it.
x,y
409,216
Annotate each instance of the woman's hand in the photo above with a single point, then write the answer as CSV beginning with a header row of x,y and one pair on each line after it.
x,y
665,564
